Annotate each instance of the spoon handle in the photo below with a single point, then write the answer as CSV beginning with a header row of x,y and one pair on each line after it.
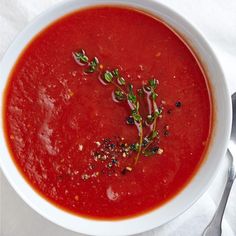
x,y
214,227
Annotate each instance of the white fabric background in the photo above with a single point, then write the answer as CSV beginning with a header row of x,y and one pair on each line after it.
x,y
216,19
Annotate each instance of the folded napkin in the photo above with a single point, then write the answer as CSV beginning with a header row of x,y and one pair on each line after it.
x,y
216,19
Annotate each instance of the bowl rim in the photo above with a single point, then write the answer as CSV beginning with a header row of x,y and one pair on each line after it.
x,y
90,226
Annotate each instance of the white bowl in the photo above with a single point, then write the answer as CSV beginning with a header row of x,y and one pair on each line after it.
x,y
206,173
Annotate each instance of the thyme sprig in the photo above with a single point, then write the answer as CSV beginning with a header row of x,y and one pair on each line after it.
x,y
125,92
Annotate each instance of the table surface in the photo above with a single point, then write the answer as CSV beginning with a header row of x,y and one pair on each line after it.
x,y
217,20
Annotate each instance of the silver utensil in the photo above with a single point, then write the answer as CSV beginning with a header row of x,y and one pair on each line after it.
x,y
214,227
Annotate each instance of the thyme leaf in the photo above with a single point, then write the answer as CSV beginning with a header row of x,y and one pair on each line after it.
x,y
108,77
92,66
80,57
121,81
119,95
116,73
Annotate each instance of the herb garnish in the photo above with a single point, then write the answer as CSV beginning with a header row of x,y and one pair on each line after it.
x,y
80,57
108,77
125,92
92,66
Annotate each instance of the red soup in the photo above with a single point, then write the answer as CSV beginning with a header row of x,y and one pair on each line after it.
x,y
107,113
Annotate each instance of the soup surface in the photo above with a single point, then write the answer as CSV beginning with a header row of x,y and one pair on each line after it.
x,y
113,136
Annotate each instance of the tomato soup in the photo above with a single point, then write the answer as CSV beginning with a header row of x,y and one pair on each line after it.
x,y
108,113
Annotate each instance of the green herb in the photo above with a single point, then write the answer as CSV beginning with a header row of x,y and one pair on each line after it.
x,y
154,95
93,65
108,77
126,170
152,118
137,117
131,96
80,57
153,83
116,73
119,95
157,112
153,135
123,92
121,80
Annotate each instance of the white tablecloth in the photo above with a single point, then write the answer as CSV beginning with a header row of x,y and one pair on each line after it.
x,y
217,21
